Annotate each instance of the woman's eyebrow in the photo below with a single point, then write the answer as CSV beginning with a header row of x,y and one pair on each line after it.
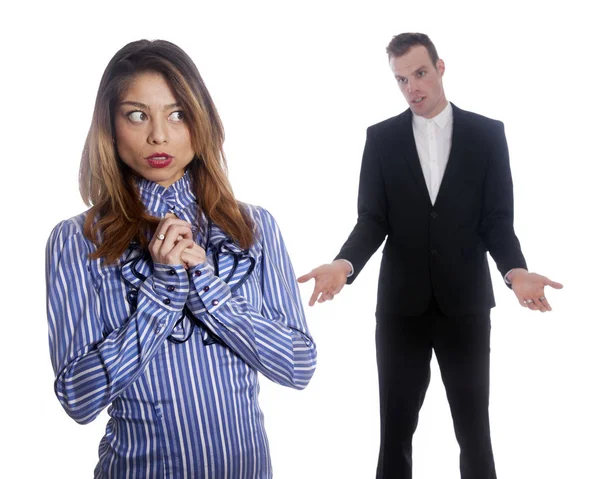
x,y
142,106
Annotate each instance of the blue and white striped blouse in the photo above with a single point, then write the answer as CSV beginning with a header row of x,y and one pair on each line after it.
x,y
178,408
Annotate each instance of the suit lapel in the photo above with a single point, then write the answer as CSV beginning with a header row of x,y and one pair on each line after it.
x,y
409,149
457,150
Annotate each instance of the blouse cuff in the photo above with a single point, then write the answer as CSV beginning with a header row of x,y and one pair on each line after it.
x,y
211,291
169,286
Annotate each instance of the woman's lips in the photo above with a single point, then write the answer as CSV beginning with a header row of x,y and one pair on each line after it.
x,y
159,162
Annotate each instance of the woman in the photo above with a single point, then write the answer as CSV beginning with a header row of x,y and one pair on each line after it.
x,y
167,296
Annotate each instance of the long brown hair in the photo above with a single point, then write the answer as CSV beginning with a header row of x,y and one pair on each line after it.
x,y
117,216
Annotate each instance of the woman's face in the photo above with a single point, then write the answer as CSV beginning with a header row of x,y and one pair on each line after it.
x,y
151,133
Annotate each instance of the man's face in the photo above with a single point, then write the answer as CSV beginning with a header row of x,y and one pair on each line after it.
x,y
420,81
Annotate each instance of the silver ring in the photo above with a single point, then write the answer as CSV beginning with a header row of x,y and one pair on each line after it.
x,y
160,237
542,298
528,301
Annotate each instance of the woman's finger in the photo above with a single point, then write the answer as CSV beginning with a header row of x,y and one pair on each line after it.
x,y
193,256
174,256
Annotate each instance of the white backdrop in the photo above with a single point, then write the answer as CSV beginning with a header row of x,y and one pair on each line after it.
x,y
296,84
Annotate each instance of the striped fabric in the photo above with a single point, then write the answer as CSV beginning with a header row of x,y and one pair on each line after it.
x,y
178,408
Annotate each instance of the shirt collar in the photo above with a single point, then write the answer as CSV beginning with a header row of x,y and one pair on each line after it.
x,y
178,198
441,119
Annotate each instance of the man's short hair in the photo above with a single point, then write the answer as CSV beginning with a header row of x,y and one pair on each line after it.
x,y
402,43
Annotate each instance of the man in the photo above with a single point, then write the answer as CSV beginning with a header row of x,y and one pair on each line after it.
x,y
436,182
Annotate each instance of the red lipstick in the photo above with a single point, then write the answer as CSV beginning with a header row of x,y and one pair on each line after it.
x,y
159,160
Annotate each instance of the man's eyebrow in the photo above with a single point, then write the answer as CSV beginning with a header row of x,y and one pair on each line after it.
x,y
142,106
422,67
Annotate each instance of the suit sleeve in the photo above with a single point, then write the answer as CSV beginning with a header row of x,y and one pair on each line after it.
x,y
498,208
372,225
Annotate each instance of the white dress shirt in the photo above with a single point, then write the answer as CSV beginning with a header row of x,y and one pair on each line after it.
x,y
433,138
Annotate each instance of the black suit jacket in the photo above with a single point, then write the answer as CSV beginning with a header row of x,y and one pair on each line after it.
x,y
438,249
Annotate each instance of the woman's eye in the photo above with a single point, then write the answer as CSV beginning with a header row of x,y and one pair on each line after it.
x,y
137,116
176,116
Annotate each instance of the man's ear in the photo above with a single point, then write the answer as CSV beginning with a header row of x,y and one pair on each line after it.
x,y
441,66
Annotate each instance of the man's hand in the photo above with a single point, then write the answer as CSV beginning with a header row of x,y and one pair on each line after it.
x,y
529,289
329,280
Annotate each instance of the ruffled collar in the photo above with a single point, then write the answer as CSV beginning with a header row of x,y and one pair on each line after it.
x,y
179,198
227,257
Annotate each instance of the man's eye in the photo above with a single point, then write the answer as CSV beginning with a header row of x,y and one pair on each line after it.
x,y
401,80
176,116
137,116
421,74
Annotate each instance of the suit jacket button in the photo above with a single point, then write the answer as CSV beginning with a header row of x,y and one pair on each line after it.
x,y
433,252
433,214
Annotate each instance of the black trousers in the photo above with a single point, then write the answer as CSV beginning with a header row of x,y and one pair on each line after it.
x,y
462,347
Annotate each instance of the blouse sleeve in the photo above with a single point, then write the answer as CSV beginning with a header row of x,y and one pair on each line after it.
x,y
273,340
93,365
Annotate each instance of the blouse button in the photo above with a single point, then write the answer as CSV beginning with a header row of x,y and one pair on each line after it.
x,y
172,272
167,301
171,288
132,295
206,288
215,302
197,272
